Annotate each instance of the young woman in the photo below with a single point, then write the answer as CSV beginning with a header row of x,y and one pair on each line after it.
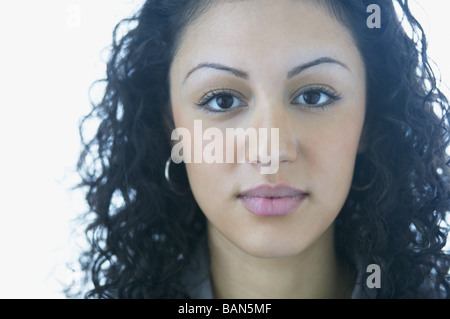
x,y
356,204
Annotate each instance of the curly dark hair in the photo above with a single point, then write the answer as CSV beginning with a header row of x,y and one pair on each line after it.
x,y
143,235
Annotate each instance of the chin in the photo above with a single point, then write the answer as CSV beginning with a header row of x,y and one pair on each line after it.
x,y
267,248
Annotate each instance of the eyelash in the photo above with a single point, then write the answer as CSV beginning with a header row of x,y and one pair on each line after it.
x,y
214,94
334,97
321,89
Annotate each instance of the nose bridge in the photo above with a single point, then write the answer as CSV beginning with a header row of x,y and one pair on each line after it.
x,y
267,113
269,110
271,114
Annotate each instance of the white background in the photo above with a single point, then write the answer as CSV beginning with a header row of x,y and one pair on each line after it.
x,y
51,51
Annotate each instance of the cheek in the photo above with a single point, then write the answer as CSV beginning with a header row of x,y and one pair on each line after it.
x,y
210,183
211,187
331,155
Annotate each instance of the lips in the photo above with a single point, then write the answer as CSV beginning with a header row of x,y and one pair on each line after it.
x,y
272,200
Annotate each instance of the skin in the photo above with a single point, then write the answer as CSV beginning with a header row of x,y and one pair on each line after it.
x,y
289,256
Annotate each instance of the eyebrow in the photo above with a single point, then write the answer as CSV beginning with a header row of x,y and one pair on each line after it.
x,y
220,67
311,64
242,74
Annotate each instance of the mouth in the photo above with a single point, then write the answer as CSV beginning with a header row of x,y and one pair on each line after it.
x,y
272,200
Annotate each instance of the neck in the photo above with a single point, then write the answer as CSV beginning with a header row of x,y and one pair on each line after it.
x,y
313,273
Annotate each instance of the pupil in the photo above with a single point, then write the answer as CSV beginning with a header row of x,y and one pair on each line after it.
x,y
225,101
312,97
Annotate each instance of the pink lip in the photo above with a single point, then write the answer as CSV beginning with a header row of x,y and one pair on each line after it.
x,y
272,200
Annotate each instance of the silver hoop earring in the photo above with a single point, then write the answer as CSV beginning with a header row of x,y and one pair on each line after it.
x,y
166,170
169,181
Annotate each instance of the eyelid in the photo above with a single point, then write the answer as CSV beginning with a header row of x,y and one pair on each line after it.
x,y
318,87
218,92
332,94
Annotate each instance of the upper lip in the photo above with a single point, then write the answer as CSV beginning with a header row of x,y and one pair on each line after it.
x,y
272,191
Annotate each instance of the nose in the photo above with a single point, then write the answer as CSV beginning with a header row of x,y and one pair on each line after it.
x,y
276,136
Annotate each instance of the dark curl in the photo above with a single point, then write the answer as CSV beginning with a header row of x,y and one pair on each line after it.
x,y
143,234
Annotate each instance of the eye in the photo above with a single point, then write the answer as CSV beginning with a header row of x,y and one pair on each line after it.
x,y
313,97
221,101
316,97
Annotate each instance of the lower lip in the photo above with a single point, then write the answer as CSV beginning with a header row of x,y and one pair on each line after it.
x,y
272,206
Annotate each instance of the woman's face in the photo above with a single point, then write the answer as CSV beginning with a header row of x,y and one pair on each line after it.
x,y
287,65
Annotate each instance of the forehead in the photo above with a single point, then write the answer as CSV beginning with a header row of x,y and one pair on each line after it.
x,y
264,32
